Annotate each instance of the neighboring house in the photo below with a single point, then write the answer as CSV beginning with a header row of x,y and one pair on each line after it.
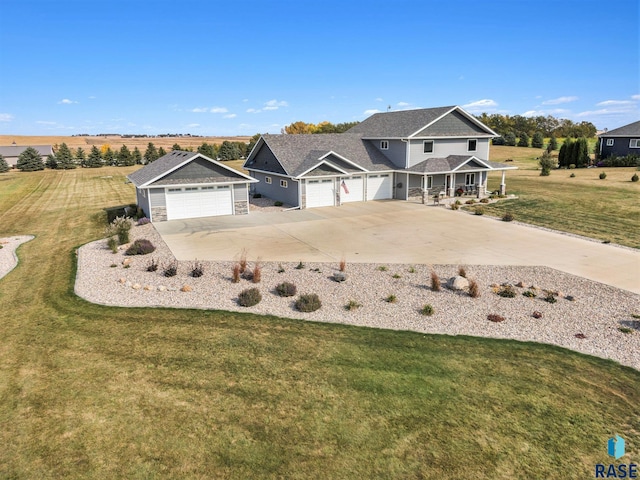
x,y
620,142
435,151
189,185
12,152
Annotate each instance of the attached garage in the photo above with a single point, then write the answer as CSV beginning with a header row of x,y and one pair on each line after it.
x,y
320,192
379,186
352,189
194,202
183,185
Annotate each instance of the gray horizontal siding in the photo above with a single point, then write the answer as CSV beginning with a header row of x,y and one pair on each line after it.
x,y
442,148
240,192
157,197
273,190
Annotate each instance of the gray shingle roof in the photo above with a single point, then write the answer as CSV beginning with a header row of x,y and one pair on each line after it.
x,y
398,124
15,150
631,130
299,153
450,163
164,165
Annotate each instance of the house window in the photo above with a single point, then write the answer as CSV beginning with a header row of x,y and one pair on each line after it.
x,y
472,145
284,184
609,142
267,179
470,179
634,143
175,189
190,189
208,188
384,144
428,146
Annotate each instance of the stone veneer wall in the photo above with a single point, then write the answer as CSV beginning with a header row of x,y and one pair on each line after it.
x,y
241,207
159,214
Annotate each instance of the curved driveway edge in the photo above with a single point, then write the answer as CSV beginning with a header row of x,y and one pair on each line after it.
x,y
8,257
397,232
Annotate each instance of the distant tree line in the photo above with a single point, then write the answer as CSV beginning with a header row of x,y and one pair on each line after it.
x,y
322,127
548,126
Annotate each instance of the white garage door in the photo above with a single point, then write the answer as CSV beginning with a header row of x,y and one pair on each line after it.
x,y
320,193
379,186
352,189
193,202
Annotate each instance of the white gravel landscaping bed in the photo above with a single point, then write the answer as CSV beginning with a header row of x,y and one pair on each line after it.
x,y
597,311
8,257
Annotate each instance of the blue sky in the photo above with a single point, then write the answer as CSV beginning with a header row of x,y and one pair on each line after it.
x,y
243,67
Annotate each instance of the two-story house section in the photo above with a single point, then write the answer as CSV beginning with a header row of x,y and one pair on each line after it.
x,y
389,155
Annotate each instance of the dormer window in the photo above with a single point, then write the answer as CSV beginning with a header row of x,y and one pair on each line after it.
x,y
472,145
609,142
428,146
384,144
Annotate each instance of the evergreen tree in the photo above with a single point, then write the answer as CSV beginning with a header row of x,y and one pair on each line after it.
x,y
524,140
95,158
161,152
64,158
30,160
254,140
124,158
582,158
81,157
538,140
553,142
109,157
151,154
229,151
51,162
510,139
176,147
208,150
137,156
546,164
4,166
564,153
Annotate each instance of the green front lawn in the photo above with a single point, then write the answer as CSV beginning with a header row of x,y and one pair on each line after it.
x,y
97,392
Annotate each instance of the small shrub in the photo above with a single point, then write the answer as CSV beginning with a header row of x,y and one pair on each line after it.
x,y
391,299
286,289
435,282
537,314
479,211
573,175
257,273
152,266
300,266
143,221
635,315
112,243
507,291
635,177
197,270
625,329
572,166
382,268
529,294
128,265
412,270
427,310
277,203
470,202
484,200
455,206
113,265
507,217
343,264
494,317
396,276
171,270
308,302
550,298
243,260
602,176
474,289
235,273
352,305
462,272
280,268
249,297
140,247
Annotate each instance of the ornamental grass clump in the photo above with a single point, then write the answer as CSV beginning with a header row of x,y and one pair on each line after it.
x,y
309,302
171,270
436,285
197,270
474,289
249,297
140,247
427,310
152,266
120,227
235,273
257,273
352,305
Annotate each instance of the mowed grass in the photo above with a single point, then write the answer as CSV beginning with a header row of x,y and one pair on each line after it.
x,y
607,210
88,391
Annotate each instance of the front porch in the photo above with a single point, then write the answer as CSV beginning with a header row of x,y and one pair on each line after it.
x,y
450,186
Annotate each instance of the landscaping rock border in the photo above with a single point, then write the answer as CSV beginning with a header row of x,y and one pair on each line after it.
x,y
8,257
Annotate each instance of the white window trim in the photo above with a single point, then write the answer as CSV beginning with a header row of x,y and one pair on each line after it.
x,y
424,146
609,142
469,144
634,143
267,180
384,144
468,177
284,184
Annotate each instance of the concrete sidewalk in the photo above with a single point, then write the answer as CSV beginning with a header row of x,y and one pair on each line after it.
x,y
397,232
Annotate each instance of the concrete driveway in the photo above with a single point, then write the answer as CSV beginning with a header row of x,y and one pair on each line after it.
x,y
396,232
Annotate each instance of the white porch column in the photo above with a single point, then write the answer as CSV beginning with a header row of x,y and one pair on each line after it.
x,y
503,185
481,189
452,185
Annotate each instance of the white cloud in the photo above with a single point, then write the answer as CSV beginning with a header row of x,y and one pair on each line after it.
x,y
608,103
43,122
635,97
209,110
92,97
193,125
403,104
379,99
559,100
231,115
6,117
275,104
66,101
480,105
199,110
218,110
533,113
371,112
538,113
253,110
